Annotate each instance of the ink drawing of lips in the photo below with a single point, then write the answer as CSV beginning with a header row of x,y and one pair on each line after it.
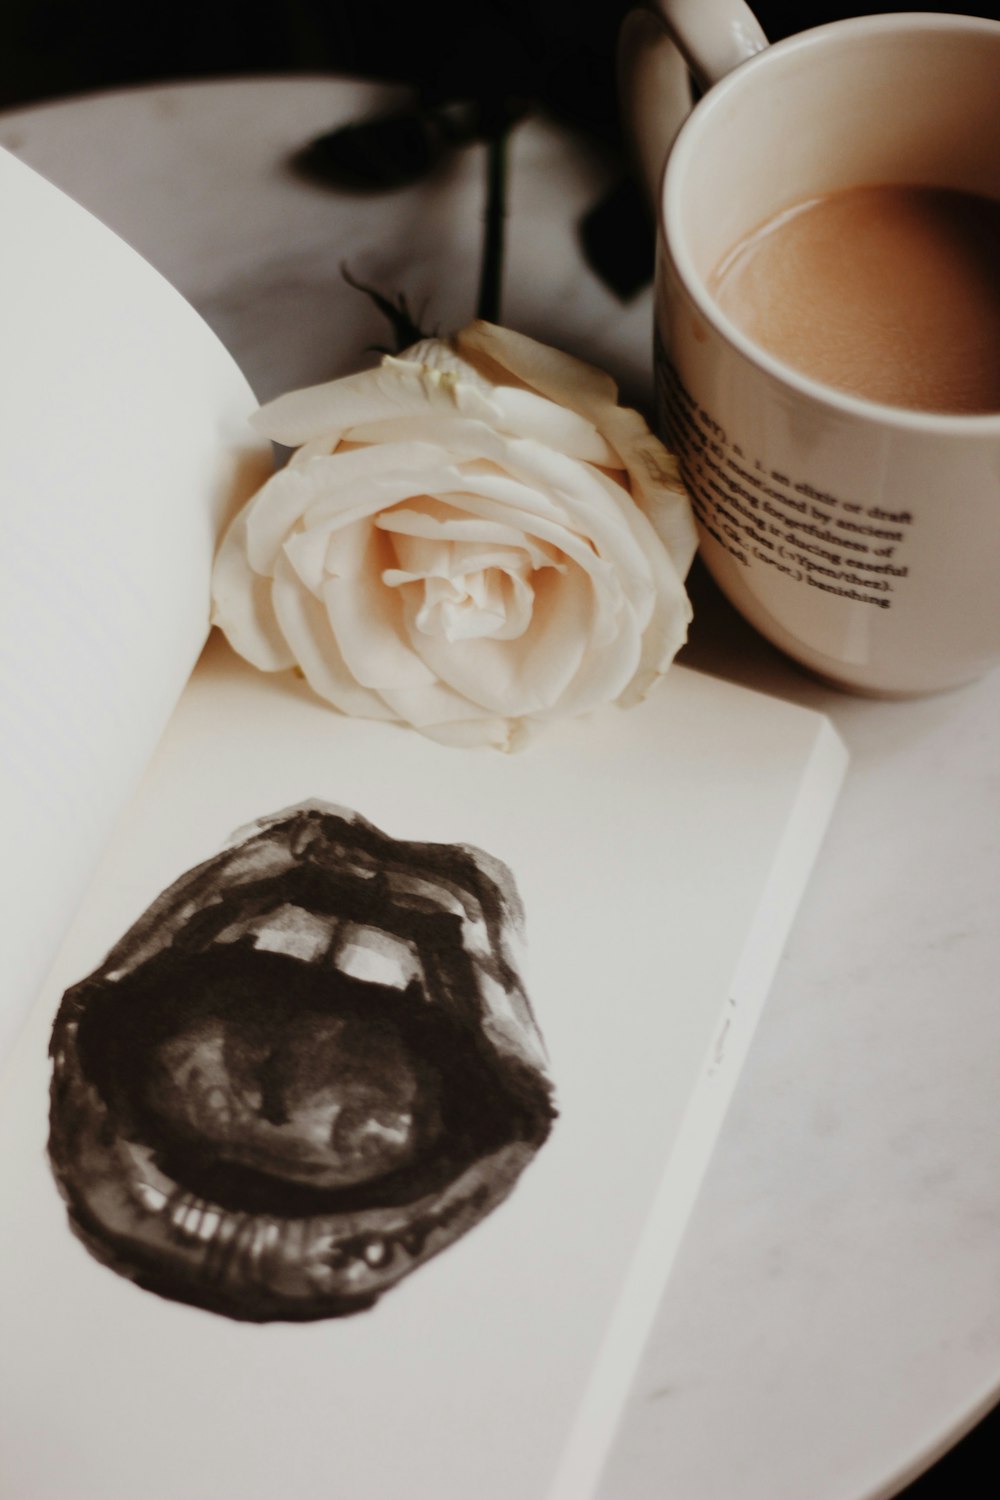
x,y
308,1068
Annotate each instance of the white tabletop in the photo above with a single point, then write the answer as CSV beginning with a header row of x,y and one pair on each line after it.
x,y
833,1322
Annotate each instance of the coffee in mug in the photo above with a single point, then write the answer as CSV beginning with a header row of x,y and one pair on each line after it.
x,y
889,290
850,510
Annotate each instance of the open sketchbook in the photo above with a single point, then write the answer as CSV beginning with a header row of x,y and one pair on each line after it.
x,y
354,1090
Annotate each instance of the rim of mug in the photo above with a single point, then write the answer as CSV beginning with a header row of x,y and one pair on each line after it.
x,y
941,422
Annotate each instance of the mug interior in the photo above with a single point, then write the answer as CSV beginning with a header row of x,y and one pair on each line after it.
x,y
911,99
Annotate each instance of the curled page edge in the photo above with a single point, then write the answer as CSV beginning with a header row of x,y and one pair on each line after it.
x,y
126,447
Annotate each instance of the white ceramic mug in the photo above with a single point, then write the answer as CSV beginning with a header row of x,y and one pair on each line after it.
x,y
862,539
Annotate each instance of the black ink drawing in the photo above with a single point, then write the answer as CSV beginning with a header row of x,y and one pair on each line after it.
x,y
310,1066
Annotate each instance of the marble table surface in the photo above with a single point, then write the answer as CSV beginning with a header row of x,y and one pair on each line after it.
x,y
833,1322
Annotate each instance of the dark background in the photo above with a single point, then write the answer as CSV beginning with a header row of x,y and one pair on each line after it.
x,y
557,54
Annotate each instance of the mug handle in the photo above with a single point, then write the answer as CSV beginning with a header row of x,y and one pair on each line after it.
x,y
661,49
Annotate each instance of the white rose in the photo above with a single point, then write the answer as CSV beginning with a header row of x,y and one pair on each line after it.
x,y
470,538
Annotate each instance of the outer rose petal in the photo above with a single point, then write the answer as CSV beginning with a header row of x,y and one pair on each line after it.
x,y
560,376
437,707
406,386
306,628
241,604
605,674
515,409
273,512
651,467
655,482
474,734
301,416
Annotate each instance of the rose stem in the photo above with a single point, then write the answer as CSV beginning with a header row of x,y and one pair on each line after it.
x,y
491,270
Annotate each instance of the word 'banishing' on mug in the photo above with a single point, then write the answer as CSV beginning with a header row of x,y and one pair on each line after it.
x,y
828,326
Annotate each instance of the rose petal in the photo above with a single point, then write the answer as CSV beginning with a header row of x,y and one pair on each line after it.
x,y
605,672
594,504
652,469
520,604
509,408
398,387
307,553
512,412
319,447
353,548
502,498
367,480
437,520
529,415
337,549
492,600
367,620
526,675
431,707
459,515
476,734
364,617
273,512
306,628
459,560
663,636
561,377
466,611
559,500
576,494
655,483
668,613
458,435
303,415
241,604
428,379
